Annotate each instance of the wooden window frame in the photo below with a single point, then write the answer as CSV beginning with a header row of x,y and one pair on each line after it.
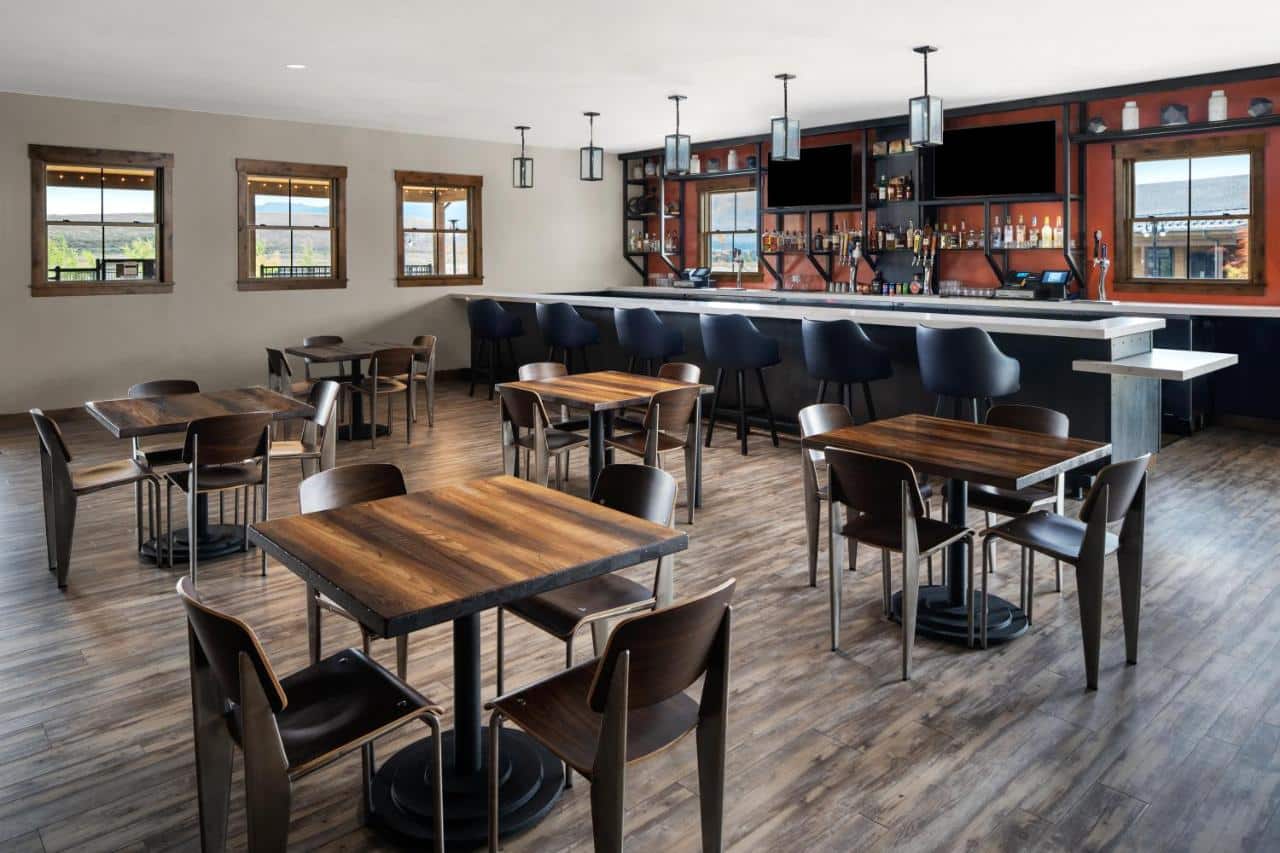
x,y
1127,153
244,230
44,155
705,191
474,184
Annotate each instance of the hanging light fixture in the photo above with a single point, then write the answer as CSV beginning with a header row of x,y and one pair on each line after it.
x,y
591,158
676,160
522,166
786,130
926,110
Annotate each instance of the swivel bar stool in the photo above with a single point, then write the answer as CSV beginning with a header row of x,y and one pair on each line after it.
x,y
491,324
563,328
732,342
965,364
644,337
839,351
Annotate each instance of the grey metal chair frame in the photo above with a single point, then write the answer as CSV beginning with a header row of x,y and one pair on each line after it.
x,y
653,434
319,438
542,453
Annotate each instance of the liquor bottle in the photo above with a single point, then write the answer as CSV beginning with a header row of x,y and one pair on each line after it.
x,y
1033,235
883,191
1007,240
1057,234
1020,234
995,234
911,188
1046,235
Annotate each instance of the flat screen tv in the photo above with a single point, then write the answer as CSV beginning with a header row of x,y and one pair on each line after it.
x,y
822,176
1006,159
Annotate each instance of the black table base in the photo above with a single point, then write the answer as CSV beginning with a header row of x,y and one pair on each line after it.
x,y
360,431
530,782
216,540
938,618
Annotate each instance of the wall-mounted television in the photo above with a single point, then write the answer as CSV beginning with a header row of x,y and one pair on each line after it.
x,y
822,176
1006,159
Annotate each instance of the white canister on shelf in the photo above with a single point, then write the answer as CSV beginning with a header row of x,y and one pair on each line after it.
x,y
695,165
1129,116
1218,105
731,163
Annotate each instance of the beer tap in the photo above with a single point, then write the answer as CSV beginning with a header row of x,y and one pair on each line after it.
x,y
1102,263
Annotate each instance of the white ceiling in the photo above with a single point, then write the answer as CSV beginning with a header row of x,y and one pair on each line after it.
x,y
474,68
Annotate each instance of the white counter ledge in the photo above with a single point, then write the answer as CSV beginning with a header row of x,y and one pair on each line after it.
x,y
1099,329
1172,364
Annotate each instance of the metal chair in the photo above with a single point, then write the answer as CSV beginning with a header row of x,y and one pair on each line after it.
x,y
1119,494
280,376
630,703
287,727
384,366
840,352
681,371
965,364
644,337
337,487
316,449
732,342
564,329
670,423
887,512
322,341
521,410
424,371
157,457
62,486
491,326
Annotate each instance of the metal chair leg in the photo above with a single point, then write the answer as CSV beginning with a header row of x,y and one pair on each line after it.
x,y
499,654
495,737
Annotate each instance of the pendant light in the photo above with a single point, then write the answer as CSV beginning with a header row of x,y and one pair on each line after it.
x,y
676,159
522,166
786,130
926,110
591,158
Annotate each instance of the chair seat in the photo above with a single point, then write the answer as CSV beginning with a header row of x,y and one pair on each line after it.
x,y
409,377
162,457
293,449
633,442
931,533
556,440
556,713
572,424
1049,533
1009,501
216,477
386,385
559,611
94,478
340,702
302,387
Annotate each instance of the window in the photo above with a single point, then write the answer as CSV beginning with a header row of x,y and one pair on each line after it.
x,y
101,221
438,229
292,225
729,230
1189,214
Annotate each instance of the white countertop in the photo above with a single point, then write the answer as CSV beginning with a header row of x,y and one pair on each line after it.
x,y
1003,306
1102,328
1175,364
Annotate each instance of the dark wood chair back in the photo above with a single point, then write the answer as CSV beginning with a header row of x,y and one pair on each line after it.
x,y
164,388
350,484
227,439
669,649
321,340
278,366
1122,479
50,434
639,490
872,485
671,409
425,341
681,371
393,361
1030,418
523,408
823,417
537,370
222,638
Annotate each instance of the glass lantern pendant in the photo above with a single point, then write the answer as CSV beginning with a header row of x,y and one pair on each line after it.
x,y
591,158
785,143
676,157
522,166
926,110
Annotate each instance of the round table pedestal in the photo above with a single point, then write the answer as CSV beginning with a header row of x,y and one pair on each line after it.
x,y
938,618
530,781
216,540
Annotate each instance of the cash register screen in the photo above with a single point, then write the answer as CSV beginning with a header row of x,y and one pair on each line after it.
x,y
1055,277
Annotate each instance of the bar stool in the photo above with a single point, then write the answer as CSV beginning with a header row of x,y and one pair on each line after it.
x,y
563,328
732,342
491,324
839,351
965,364
643,336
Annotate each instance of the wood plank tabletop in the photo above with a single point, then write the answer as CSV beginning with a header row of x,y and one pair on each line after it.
x,y
133,417
346,351
602,390
404,563
961,450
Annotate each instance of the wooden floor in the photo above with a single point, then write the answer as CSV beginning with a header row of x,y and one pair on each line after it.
x,y
995,750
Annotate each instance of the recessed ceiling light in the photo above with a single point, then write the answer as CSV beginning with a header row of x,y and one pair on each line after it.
x,y
294,66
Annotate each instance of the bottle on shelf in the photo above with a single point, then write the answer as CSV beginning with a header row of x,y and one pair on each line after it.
x,y
1007,240
883,191
1033,235
1046,235
1057,234
995,233
1020,234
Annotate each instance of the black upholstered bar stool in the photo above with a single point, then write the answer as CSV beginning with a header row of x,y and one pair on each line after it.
x,y
644,337
732,342
965,364
839,352
491,324
563,328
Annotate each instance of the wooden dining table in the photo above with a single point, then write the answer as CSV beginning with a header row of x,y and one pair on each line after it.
x,y
963,453
351,352
604,393
405,563
137,417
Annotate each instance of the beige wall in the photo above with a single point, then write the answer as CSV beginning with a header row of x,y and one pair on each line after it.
x,y
56,352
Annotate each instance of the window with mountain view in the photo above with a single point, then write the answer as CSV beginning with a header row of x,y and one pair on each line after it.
x,y
438,229
291,225
100,222
1189,213
729,230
